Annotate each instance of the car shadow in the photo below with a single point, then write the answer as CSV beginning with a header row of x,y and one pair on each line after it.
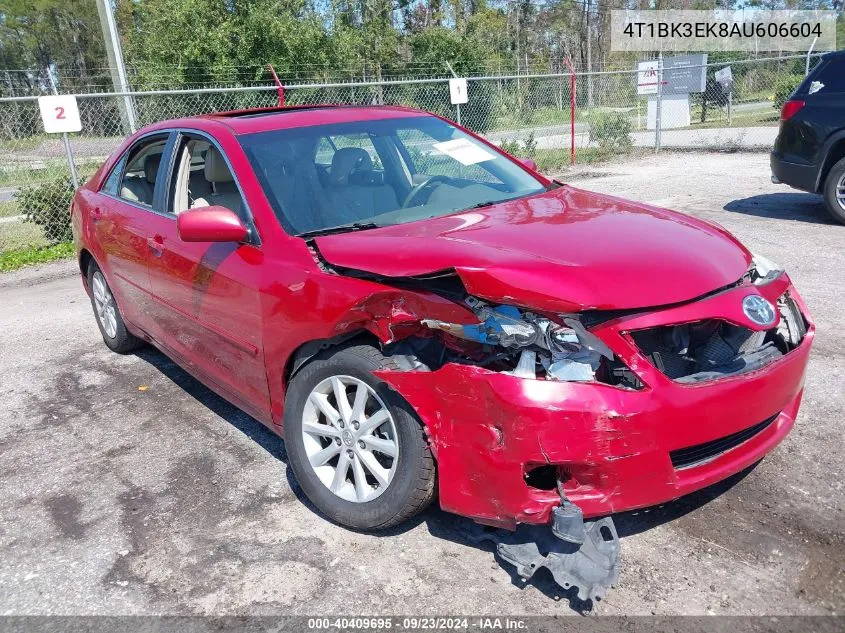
x,y
440,524
242,421
637,521
793,205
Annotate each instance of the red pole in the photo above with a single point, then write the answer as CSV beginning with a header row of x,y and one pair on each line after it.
x,y
280,89
571,110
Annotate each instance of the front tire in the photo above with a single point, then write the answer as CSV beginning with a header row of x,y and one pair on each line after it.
x,y
834,191
107,314
355,446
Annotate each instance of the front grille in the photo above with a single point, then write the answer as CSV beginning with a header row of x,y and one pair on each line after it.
x,y
702,453
713,348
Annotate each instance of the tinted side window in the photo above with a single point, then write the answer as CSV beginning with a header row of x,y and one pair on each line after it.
x,y
112,184
142,170
832,76
362,141
325,152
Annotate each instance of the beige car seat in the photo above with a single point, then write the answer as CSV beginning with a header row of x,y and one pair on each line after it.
x,y
141,189
224,191
349,195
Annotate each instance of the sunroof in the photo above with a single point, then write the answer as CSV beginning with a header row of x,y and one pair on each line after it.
x,y
252,114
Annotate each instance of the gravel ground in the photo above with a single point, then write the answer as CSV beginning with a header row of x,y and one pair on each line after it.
x,y
127,487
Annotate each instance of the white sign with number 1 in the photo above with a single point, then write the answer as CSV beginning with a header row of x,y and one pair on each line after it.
x,y
60,114
458,90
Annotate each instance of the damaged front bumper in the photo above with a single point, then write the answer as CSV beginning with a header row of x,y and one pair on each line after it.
x,y
608,448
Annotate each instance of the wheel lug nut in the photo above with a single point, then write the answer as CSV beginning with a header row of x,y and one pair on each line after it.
x,y
361,444
337,441
350,453
355,425
341,424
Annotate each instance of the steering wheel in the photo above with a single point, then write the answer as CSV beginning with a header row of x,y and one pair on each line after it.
x,y
419,188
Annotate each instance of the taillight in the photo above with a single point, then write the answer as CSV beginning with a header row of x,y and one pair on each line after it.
x,y
790,108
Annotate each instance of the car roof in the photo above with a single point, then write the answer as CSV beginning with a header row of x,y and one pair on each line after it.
x,y
287,117
831,56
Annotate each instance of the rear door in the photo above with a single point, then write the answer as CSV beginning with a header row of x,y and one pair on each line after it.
x,y
206,295
121,224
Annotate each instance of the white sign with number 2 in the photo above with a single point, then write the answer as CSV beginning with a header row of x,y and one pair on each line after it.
x,y
60,114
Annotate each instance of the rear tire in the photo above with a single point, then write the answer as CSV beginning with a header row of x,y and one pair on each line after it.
x,y
387,473
107,314
834,191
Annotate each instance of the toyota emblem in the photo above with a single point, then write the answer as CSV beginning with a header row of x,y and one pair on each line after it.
x,y
758,310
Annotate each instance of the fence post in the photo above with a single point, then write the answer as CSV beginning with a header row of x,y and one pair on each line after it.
x,y
115,57
571,110
659,105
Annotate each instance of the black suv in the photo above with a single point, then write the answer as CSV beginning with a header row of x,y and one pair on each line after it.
x,y
809,151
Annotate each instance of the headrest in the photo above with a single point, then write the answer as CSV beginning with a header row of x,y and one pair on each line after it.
x,y
216,169
346,161
151,165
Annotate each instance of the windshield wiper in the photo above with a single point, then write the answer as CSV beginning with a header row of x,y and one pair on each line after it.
x,y
490,203
340,228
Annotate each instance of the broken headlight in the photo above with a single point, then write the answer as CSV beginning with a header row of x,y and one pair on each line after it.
x,y
537,346
763,269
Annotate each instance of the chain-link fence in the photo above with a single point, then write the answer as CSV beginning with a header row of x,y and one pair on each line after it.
x,y
529,116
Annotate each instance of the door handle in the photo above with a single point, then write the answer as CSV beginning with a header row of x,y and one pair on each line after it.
x,y
96,214
156,245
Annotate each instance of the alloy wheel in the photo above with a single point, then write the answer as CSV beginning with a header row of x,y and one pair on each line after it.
x,y
350,438
840,192
104,305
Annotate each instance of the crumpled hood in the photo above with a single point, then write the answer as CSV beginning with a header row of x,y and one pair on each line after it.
x,y
565,250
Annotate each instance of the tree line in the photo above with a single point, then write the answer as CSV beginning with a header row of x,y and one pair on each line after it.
x,y
184,43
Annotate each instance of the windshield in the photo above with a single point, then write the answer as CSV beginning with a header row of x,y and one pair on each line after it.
x,y
376,173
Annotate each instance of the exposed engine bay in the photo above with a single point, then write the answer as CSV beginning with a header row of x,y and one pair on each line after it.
x,y
712,348
519,342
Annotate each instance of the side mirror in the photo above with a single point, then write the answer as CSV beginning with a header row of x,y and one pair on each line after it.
x,y
528,163
210,224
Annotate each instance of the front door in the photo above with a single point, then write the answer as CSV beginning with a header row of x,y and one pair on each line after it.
x,y
208,306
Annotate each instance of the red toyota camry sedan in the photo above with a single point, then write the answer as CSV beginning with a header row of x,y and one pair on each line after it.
x,y
420,314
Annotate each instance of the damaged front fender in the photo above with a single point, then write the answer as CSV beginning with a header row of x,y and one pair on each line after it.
x,y
395,314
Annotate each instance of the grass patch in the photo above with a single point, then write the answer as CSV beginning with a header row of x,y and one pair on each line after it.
x,y
538,117
23,143
8,208
20,257
741,119
20,175
17,234
555,161
762,114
